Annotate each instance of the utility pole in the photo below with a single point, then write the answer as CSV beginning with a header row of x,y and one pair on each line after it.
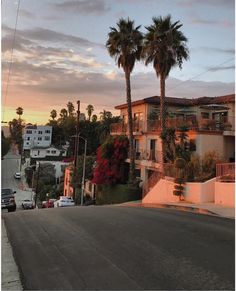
x,y
37,186
76,149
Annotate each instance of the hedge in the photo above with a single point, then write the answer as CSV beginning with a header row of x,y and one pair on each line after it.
x,y
107,194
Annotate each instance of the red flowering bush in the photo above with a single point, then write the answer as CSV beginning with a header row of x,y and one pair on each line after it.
x,y
110,162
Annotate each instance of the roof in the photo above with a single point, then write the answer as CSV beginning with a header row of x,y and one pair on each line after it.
x,y
182,101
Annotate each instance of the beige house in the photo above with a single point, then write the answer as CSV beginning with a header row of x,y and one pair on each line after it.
x,y
210,122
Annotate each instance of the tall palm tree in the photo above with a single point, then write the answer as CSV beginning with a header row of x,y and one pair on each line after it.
x,y
90,110
125,45
70,108
19,111
165,47
53,114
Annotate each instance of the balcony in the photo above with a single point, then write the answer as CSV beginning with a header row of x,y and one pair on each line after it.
x,y
123,128
191,123
148,155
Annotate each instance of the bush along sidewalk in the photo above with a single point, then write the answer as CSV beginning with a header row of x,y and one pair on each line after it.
x,y
119,193
179,180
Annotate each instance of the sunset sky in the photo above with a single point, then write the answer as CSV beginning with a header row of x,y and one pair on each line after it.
x,y
59,54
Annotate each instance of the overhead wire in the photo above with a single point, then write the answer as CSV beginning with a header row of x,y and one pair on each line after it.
x,y
11,57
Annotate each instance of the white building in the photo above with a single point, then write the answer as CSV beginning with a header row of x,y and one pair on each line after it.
x,y
37,136
41,152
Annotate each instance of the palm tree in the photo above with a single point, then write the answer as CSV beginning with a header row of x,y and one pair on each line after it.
x,y
90,110
125,45
165,47
53,114
19,111
105,115
70,108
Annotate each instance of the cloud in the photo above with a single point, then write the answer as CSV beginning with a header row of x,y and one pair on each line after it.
x,y
48,35
221,68
230,51
199,20
83,6
27,14
228,4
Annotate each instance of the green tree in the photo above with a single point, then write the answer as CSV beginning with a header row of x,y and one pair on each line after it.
x,y
94,118
125,45
19,111
90,110
5,143
70,109
53,114
165,47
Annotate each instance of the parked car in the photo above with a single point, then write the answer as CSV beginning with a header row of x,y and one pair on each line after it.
x,y
64,201
50,203
17,175
27,204
8,199
44,204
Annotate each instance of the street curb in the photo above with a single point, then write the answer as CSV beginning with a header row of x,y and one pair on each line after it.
x,y
177,207
10,275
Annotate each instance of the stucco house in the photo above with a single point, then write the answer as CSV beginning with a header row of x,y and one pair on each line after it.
x,y
210,122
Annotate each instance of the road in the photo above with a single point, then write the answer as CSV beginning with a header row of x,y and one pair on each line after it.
x,y
122,248
11,164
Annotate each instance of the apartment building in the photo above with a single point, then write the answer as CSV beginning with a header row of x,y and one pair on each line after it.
x,y
210,123
37,136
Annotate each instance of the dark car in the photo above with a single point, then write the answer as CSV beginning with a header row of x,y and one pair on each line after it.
x,y
8,199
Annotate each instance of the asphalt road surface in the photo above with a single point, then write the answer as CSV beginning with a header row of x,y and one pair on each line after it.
x,y
121,248
11,164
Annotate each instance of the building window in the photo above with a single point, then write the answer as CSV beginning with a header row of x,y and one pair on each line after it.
x,y
40,132
39,138
28,138
205,115
27,143
53,152
29,131
47,131
47,138
38,153
48,151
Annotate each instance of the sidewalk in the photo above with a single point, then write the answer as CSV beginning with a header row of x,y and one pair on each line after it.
x,y
206,208
10,278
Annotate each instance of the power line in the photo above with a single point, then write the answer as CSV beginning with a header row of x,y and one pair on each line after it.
x,y
11,57
202,73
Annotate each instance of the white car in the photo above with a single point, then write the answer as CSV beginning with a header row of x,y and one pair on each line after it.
x,y
17,175
64,201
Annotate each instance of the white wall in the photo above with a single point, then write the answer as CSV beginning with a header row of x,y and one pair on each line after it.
x,y
225,194
209,142
200,192
162,192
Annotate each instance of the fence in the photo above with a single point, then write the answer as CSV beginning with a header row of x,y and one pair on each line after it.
x,y
225,172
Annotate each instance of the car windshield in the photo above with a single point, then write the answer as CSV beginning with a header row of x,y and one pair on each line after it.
x,y
7,191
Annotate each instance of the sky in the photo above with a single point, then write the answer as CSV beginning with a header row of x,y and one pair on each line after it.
x,y
59,55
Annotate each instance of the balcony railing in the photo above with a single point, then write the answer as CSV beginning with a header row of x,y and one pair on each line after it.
x,y
122,127
225,172
191,123
149,155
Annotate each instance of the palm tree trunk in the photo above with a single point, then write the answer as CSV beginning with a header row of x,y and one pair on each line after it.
x,y
162,112
130,124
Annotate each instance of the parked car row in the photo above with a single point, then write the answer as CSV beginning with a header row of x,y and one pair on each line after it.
x,y
63,201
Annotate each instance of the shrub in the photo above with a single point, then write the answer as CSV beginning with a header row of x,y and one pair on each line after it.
x,y
119,193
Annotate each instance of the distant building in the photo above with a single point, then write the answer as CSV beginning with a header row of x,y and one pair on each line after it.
x,y
47,153
37,136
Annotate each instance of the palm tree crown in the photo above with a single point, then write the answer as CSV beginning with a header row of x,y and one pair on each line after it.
x,y
164,45
125,44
